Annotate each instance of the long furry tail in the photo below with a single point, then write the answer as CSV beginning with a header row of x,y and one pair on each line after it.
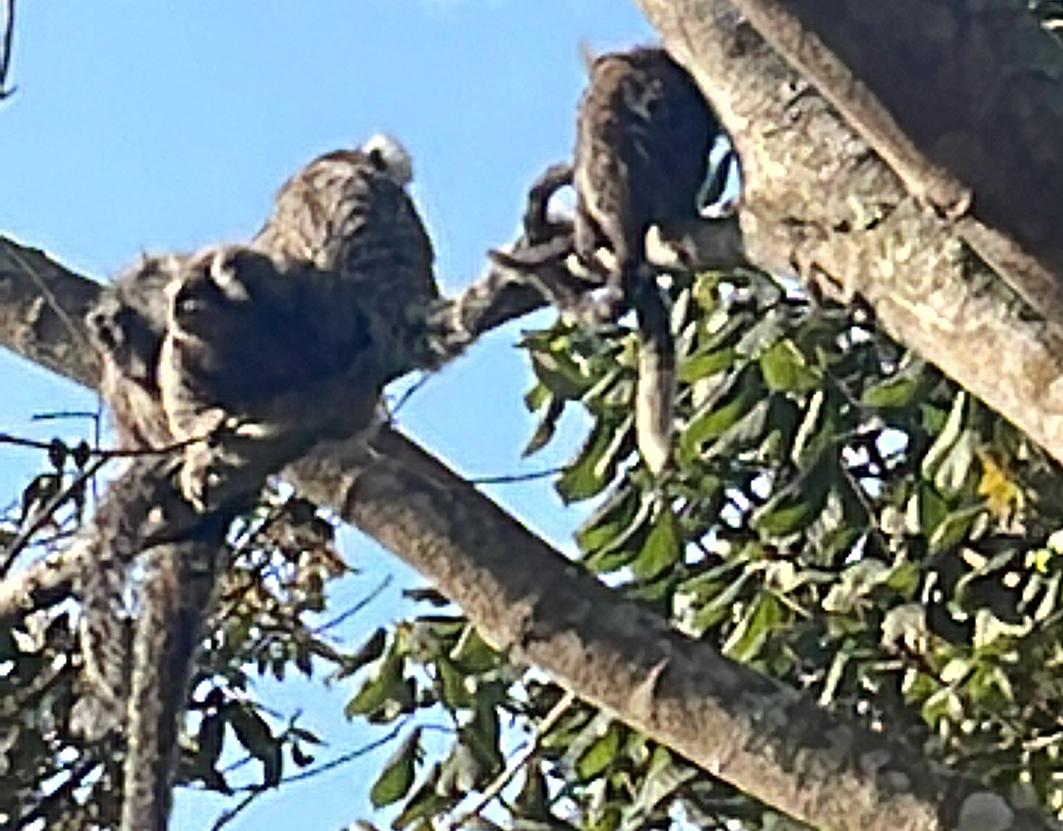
x,y
655,393
180,576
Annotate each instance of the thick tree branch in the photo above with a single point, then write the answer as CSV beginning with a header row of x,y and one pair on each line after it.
x,y
528,599
819,202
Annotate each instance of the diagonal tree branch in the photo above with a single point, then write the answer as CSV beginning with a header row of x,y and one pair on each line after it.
x,y
529,600
820,199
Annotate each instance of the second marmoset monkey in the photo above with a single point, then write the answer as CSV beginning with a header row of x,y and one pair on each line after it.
x,y
644,133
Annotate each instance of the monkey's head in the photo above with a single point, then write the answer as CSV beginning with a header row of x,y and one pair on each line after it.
x,y
208,293
227,294
126,325
387,154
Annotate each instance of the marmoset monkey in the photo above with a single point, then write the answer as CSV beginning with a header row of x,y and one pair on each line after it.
x,y
644,133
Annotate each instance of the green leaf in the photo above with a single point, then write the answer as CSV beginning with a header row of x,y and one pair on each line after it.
x,y
786,370
473,654
560,374
661,550
532,801
545,429
947,436
767,328
378,689
453,690
209,739
855,583
896,392
537,397
927,509
596,464
746,433
706,364
369,651
954,528
254,734
425,802
300,758
396,777
726,407
664,777
944,704
600,754
761,619
798,504
610,519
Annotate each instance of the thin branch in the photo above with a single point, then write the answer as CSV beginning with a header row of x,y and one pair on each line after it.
x,y
513,478
6,50
518,761
228,815
48,512
355,609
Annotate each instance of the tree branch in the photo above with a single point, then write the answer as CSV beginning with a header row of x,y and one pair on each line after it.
x,y
7,49
817,200
529,600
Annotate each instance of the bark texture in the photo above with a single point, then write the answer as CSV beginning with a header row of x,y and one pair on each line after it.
x,y
837,191
918,188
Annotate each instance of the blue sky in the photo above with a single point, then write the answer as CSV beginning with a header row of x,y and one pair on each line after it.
x,y
168,125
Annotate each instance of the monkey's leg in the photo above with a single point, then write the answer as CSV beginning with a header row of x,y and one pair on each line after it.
x,y
655,390
176,598
539,256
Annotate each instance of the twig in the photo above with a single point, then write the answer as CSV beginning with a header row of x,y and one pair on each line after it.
x,y
48,511
511,478
518,761
355,609
228,815
5,51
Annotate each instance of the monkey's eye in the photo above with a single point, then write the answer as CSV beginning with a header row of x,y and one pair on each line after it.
x,y
188,303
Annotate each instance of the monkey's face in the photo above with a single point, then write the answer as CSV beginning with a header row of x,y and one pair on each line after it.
x,y
245,327
214,317
128,340
127,324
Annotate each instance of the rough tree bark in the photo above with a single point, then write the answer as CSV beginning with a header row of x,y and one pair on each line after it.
x,y
819,201
873,170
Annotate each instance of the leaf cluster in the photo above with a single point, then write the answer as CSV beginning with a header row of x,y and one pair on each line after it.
x,y
838,514
283,561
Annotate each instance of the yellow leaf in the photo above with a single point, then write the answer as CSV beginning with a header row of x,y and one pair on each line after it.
x,y
1002,495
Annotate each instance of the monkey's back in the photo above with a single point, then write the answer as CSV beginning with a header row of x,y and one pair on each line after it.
x,y
343,214
644,133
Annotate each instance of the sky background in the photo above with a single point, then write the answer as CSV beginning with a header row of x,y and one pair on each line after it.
x,y
169,125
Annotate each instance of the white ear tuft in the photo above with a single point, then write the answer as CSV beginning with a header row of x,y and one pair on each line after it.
x,y
391,157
